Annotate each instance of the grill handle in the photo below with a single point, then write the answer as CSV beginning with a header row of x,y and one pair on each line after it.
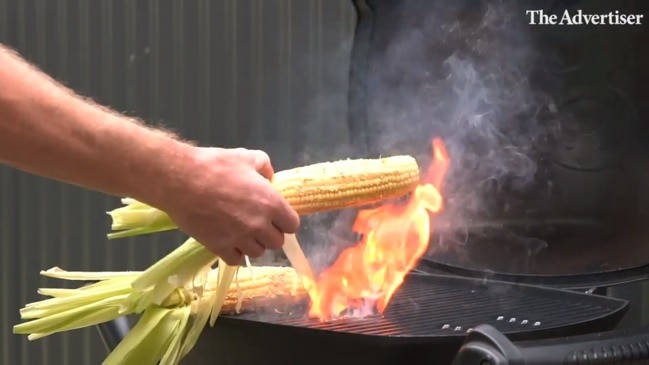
x,y
485,345
113,332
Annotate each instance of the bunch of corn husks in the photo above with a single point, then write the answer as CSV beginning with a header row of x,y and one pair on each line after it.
x,y
175,297
178,295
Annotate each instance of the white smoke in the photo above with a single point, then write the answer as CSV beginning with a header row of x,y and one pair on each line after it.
x,y
467,72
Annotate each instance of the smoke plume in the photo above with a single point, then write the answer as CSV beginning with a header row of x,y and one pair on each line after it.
x,y
470,73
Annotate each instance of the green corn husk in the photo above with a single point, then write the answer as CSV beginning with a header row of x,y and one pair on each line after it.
x,y
164,334
225,278
168,295
156,338
173,271
137,218
70,309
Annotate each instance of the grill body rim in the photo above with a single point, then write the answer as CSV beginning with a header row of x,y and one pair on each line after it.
x,y
242,340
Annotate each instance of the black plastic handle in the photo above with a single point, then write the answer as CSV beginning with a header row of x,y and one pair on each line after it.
x,y
485,345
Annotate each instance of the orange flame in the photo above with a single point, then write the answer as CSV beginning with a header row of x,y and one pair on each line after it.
x,y
394,237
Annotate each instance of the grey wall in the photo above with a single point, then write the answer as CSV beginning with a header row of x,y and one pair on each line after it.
x,y
267,74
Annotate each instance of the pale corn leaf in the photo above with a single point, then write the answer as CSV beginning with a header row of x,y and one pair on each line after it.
x,y
77,300
58,273
161,291
57,292
225,279
58,321
136,232
137,218
90,318
249,266
201,310
147,340
188,258
173,354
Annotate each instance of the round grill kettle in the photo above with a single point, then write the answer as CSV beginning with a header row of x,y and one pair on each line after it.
x,y
547,130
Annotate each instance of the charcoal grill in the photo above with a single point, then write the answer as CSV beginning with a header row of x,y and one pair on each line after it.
x,y
575,203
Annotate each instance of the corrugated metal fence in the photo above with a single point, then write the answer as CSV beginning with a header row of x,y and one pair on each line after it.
x,y
267,74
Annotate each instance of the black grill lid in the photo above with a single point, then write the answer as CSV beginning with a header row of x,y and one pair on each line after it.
x,y
429,316
547,132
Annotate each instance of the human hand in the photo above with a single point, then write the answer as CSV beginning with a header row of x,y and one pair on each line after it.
x,y
228,204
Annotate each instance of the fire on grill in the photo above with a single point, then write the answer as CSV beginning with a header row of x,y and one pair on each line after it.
x,y
393,238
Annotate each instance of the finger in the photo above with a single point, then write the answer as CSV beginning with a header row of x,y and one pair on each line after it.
x,y
271,238
233,257
285,218
253,248
262,163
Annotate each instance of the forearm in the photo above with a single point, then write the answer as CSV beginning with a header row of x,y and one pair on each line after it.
x,y
47,130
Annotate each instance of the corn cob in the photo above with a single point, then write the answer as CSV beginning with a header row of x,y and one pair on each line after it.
x,y
258,288
342,184
316,188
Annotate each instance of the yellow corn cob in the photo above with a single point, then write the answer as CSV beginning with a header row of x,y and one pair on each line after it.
x,y
347,183
262,287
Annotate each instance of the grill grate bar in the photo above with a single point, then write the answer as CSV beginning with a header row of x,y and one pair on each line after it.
x,y
439,305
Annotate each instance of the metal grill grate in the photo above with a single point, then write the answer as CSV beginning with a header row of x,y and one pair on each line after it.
x,y
425,324
448,306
